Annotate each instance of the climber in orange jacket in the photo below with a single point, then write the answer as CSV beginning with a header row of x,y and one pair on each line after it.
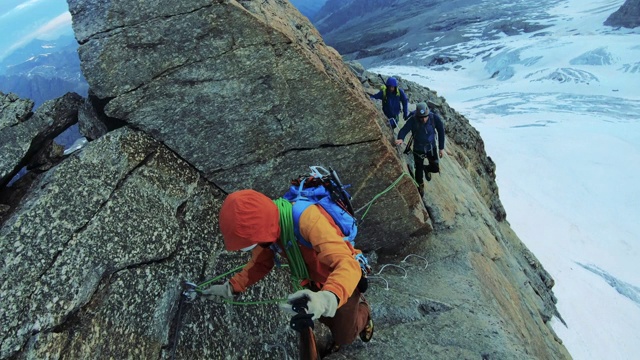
x,y
249,221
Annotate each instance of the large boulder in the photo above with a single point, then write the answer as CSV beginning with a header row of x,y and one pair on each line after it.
x,y
248,94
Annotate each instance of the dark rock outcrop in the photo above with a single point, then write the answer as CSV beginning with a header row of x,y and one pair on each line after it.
x,y
13,110
40,88
628,15
89,123
21,134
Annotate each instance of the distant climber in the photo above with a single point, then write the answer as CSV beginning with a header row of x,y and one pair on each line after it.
x,y
424,124
393,101
250,221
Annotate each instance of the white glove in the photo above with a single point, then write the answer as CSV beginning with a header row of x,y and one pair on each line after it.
x,y
321,303
224,291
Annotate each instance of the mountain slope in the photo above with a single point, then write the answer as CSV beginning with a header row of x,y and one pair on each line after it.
x,y
390,31
627,16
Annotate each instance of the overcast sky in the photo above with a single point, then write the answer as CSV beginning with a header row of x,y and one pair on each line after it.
x,y
24,20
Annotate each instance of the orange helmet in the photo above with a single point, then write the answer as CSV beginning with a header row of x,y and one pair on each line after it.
x,y
248,217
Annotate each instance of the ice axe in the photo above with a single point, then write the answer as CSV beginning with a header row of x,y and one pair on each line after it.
x,y
302,322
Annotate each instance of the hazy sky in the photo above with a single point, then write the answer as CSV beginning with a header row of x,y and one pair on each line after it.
x,y
24,20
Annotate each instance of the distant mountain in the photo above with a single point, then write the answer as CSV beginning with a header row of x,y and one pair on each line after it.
x,y
39,47
40,88
627,16
308,8
43,70
385,31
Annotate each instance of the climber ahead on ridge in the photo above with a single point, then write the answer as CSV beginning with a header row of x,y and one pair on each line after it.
x,y
392,99
424,124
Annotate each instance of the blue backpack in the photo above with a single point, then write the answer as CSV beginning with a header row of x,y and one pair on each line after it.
x,y
323,187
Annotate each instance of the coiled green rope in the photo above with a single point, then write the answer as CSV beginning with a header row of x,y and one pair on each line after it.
x,y
297,265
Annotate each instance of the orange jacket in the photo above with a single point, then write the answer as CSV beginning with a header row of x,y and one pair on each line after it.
x,y
330,262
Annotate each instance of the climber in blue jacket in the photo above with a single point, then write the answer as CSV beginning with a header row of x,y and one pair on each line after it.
x,y
392,96
428,141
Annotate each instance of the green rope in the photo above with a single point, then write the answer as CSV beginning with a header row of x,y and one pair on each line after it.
x,y
370,203
263,302
297,265
200,287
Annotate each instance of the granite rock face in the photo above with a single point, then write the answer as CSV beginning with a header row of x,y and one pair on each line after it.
x,y
247,93
14,110
97,271
89,123
473,290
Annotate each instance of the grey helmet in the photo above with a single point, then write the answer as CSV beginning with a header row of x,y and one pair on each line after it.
x,y
422,110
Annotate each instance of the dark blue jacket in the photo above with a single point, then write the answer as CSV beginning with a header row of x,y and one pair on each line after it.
x,y
391,107
424,134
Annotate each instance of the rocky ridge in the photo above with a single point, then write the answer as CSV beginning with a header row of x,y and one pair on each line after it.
x,y
195,79
95,254
20,138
